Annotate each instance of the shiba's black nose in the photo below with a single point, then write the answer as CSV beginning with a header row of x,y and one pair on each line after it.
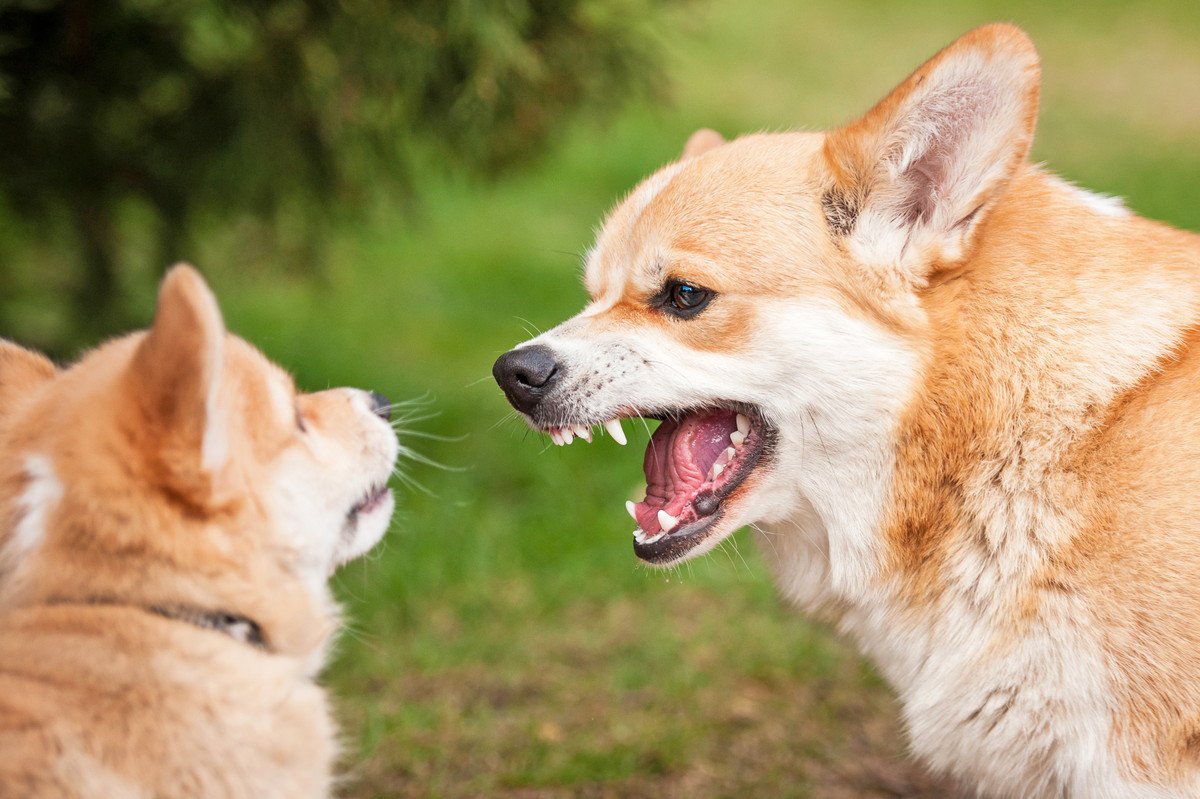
x,y
381,406
527,374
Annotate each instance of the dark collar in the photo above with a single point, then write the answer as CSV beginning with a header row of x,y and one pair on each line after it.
x,y
239,628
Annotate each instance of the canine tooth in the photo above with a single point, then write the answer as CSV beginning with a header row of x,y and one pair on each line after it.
x,y
743,424
726,455
666,521
737,437
613,426
583,432
717,469
631,508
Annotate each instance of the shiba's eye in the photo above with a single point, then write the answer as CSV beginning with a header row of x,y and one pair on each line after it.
x,y
685,300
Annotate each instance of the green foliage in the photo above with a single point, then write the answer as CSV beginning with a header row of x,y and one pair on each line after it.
x,y
285,110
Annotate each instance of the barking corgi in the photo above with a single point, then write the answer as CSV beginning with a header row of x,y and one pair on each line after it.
x,y
170,511
956,397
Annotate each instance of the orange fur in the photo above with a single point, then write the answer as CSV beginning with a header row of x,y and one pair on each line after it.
x,y
164,451
982,385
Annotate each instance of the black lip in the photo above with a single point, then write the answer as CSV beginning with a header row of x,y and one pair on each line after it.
x,y
683,540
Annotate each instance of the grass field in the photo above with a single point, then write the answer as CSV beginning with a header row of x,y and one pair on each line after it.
x,y
504,641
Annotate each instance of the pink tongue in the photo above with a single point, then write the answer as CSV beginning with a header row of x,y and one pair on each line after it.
x,y
678,459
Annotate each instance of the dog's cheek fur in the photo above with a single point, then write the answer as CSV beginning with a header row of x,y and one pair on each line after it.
x,y
315,479
833,384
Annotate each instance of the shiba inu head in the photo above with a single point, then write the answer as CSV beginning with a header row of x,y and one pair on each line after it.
x,y
760,298
178,468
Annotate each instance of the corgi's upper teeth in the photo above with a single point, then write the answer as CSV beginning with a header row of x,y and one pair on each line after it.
x,y
737,437
726,456
583,432
666,521
555,437
613,426
631,508
743,424
717,469
567,435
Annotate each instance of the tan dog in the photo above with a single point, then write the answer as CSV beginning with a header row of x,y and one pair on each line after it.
x,y
170,510
958,398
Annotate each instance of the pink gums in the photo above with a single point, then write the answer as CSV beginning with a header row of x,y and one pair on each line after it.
x,y
678,460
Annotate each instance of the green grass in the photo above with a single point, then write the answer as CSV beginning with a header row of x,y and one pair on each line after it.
x,y
504,642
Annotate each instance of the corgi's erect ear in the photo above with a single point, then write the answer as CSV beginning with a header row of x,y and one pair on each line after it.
x,y
911,179
176,373
21,370
701,142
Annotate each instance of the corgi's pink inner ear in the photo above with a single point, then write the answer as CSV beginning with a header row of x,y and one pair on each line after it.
x,y
914,175
178,371
701,142
21,371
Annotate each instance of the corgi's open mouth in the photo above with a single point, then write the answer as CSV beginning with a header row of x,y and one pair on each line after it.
x,y
696,462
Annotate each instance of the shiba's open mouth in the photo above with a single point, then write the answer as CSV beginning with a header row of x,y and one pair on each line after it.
x,y
696,461
372,500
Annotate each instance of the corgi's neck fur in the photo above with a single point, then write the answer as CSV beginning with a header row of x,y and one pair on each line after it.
x,y
944,383
961,505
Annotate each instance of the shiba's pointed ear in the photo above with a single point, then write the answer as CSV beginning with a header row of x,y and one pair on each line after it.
x,y
21,370
177,372
911,179
701,142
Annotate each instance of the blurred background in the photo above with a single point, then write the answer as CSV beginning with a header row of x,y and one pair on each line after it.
x,y
390,195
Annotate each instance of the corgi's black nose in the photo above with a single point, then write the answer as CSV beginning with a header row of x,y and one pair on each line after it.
x,y
381,406
527,374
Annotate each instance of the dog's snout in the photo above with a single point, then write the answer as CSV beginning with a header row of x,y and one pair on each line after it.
x,y
381,406
527,374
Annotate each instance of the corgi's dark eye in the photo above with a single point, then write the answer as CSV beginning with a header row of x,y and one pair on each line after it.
x,y
685,299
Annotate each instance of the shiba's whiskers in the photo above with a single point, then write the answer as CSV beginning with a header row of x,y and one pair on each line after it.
x,y
411,482
410,433
414,455
422,401
413,418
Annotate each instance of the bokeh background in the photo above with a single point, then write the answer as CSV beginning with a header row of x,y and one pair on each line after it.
x,y
391,195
